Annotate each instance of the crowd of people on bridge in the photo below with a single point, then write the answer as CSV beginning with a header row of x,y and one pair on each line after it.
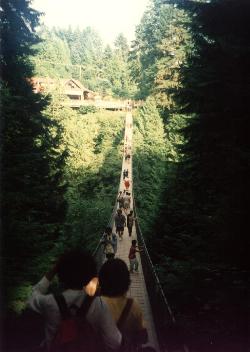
x,y
92,313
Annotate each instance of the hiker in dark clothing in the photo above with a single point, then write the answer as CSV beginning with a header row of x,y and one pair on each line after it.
x,y
120,222
124,174
77,273
120,200
127,157
130,222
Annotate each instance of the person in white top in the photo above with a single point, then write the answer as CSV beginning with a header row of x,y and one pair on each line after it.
x,y
76,271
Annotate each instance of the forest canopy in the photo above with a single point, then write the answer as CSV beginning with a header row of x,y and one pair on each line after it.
x,y
81,54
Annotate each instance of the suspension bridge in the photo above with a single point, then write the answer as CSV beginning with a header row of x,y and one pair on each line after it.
x,y
145,288
145,285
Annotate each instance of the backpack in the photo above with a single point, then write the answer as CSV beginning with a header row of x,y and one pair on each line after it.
x,y
108,247
130,343
74,334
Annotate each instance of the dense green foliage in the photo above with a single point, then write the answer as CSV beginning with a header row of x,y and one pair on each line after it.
x,y
60,168
67,53
93,169
149,162
91,172
53,57
193,59
32,188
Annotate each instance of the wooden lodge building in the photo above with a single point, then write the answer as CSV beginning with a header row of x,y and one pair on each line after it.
x,y
77,94
71,88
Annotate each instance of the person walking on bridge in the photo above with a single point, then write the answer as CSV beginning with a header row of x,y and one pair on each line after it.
x,y
124,174
126,183
127,200
109,242
120,200
130,222
132,256
77,273
120,222
114,282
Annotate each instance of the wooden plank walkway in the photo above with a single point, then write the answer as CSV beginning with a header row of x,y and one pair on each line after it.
x,y
137,289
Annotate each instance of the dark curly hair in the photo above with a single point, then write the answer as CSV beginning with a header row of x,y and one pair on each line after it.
x,y
114,278
76,268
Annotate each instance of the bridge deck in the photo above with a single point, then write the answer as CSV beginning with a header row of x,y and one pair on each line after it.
x,y
137,289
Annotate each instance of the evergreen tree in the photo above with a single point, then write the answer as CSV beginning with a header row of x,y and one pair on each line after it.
x,y
214,96
200,81
121,46
149,160
32,196
53,56
145,51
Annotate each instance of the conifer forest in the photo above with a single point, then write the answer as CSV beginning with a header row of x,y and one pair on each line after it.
x,y
60,167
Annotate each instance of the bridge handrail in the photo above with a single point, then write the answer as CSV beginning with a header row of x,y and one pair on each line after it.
x,y
145,250
110,223
165,322
98,252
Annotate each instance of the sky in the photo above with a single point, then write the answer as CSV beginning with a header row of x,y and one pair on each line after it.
x,y
108,17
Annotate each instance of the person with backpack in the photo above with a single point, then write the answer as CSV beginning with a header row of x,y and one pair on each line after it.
x,y
127,200
75,320
120,200
130,222
114,280
120,222
109,242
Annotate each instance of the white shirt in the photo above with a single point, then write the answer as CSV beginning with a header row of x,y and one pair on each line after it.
x,y
98,314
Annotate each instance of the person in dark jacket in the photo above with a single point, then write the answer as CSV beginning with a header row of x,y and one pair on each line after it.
x,y
120,222
130,222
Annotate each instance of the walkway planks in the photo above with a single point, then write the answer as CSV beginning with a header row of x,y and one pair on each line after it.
x,y
137,289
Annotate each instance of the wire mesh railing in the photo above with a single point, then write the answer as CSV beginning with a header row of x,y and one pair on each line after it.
x,y
98,252
169,335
